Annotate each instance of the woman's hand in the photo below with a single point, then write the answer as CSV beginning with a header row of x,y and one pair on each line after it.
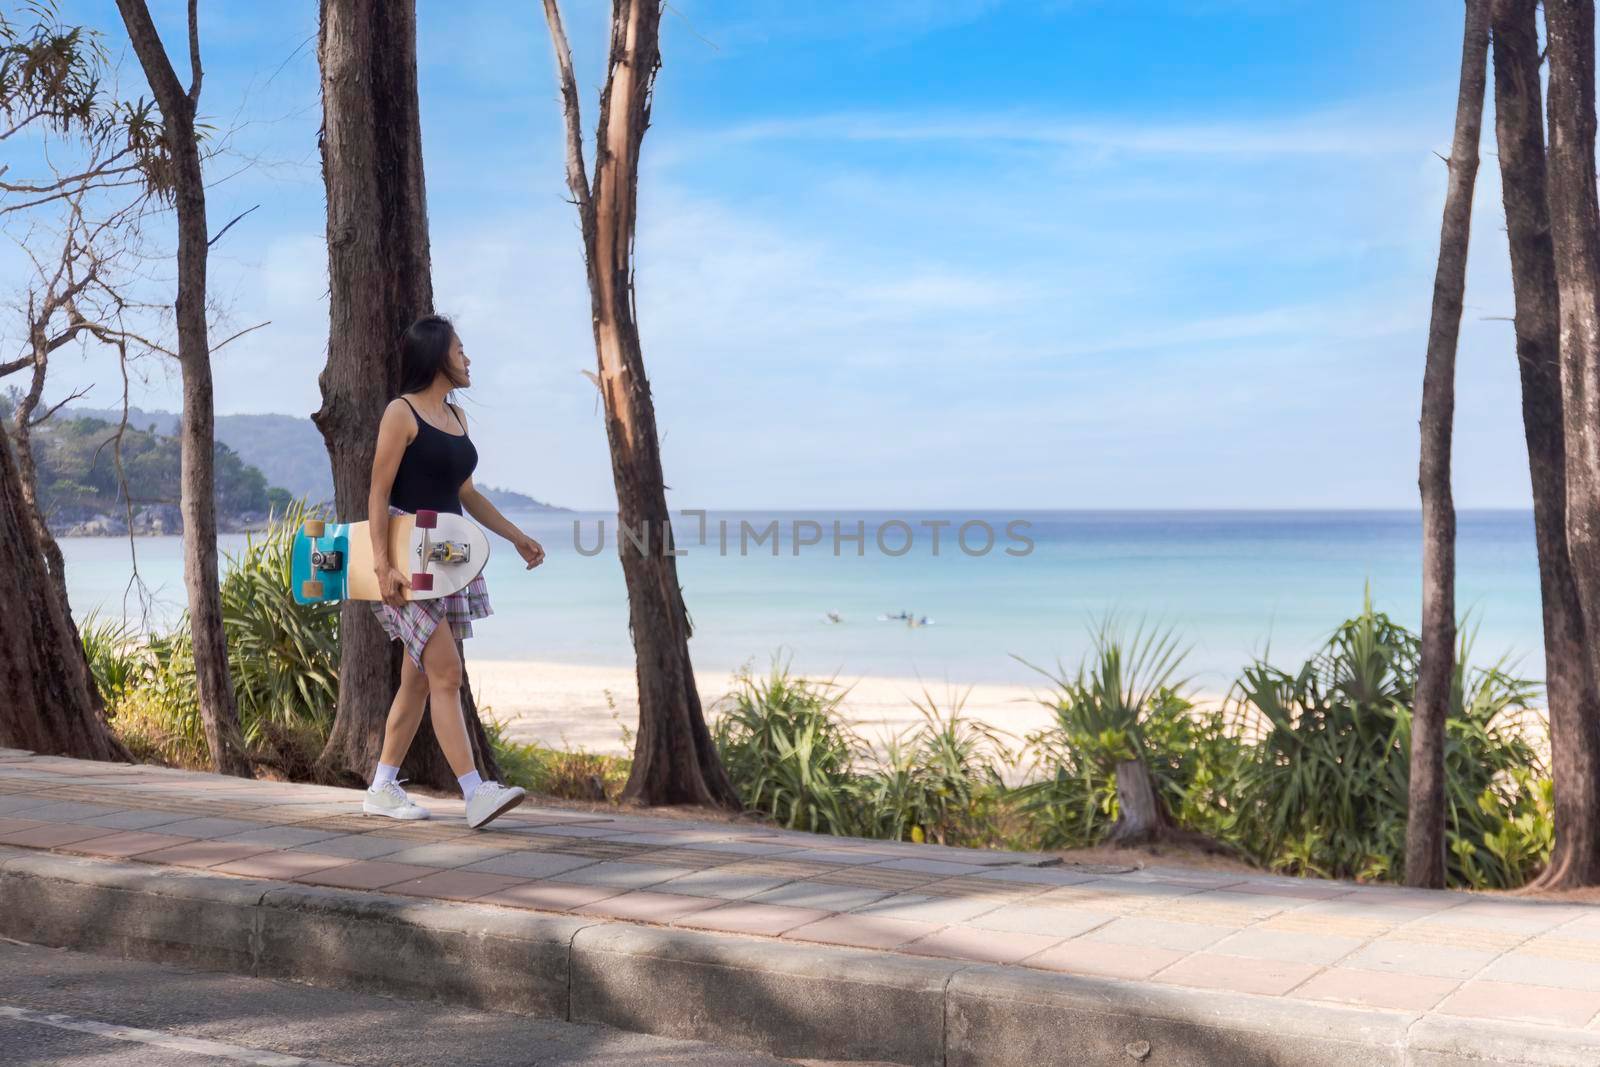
x,y
530,550
392,584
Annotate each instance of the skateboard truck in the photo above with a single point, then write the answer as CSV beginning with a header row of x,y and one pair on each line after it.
x,y
324,562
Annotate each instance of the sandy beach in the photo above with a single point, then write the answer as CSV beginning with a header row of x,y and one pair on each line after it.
x,y
577,706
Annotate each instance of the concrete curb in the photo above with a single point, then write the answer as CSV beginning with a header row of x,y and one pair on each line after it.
x,y
778,997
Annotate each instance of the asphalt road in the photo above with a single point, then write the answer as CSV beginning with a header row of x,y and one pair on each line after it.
x,y
66,1008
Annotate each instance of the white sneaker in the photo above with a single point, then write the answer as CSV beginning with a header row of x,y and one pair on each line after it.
x,y
492,800
391,801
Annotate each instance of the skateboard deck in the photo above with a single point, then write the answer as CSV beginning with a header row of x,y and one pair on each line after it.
x,y
440,551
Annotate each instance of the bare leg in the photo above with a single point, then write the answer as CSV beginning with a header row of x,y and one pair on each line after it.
x,y
441,662
405,714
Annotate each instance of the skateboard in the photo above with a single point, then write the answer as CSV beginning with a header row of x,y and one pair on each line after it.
x,y
333,560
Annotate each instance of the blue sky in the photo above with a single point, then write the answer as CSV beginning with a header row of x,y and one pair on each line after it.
x,y
910,253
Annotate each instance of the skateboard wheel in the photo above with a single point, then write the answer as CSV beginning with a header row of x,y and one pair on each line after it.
x,y
421,583
427,520
311,589
314,527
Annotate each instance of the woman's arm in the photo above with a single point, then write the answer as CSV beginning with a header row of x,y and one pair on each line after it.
x,y
479,507
395,432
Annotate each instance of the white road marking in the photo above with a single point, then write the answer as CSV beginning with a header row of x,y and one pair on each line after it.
x,y
176,1042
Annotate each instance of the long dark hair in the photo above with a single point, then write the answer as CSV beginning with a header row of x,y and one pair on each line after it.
x,y
425,353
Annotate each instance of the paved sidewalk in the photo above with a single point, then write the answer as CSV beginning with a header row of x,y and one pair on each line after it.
x,y
1445,954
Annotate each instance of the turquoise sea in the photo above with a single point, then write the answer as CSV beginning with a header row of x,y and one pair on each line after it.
x,y
1234,583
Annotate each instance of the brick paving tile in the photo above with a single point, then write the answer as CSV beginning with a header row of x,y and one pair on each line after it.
x,y
642,905
52,835
548,896
1559,947
720,884
70,811
983,946
621,875
1355,927
787,869
198,854
281,866
1506,917
870,877
365,874
1159,933
135,819
918,866
1256,905
1205,970
919,908
357,846
600,850
694,857
9,825
1525,1003
530,864
1462,937
982,889
1518,967
578,831
121,845
747,848
861,931
827,898
1436,961
1044,877
1022,919
446,854
278,837
1293,947
1091,899
1104,961
206,828
743,917
455,885
838,857
1299,891
1377,989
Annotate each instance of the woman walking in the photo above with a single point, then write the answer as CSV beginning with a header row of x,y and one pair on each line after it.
x,y
425,460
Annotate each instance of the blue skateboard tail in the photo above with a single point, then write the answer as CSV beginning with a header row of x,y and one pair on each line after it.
x,y
335,539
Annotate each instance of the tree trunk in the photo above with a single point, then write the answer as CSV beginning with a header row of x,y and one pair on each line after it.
x,y
219,712
1575,230
50,703
379,282
1425,820
1569,684
1141,816
675,760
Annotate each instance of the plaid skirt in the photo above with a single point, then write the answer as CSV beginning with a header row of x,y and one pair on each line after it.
x,y
414,622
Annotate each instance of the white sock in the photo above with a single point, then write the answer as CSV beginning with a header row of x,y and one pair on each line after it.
x,y
384,773
469,784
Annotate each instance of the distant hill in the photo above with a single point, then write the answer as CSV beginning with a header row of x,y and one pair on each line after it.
x,y
288,449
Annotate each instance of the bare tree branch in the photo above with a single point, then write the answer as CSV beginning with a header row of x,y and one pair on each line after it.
x,y
577,175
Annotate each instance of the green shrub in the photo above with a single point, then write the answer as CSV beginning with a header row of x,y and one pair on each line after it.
x,y
283,656
283,660
1326,791
566,773
788,753
939,781
118,662
1124,703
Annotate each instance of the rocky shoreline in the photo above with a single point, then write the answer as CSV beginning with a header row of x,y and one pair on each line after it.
x,y
155,520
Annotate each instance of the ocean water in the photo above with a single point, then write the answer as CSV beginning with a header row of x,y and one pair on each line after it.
x,y
1234,584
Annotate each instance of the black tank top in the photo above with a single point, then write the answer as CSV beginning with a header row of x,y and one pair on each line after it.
x,y
433,467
